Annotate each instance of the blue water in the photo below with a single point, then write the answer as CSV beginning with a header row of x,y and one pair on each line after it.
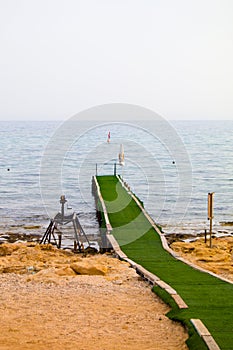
x,y
29,176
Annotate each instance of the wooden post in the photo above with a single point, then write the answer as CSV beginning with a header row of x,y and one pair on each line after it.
x,y
210,213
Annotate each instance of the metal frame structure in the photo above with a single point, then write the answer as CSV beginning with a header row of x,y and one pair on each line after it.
x,y
62,219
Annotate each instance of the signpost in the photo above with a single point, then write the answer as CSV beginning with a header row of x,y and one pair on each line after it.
x,y
210,213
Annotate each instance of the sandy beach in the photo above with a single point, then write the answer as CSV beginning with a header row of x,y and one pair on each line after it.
x,y
217,259
46,304
55,299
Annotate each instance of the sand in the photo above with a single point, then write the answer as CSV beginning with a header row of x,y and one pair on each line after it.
x,y
217,259
45,304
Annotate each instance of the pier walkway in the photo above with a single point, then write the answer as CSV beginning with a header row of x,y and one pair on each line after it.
x,y
209,299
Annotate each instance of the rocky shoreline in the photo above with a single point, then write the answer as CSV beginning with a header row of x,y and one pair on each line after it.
x,y
218,259
185,237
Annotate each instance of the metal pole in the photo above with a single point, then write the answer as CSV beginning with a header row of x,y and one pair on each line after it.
x,y
114,169
59,240
210,232
63,201
210,213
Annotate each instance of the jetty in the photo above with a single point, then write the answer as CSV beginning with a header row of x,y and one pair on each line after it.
x,y
199,299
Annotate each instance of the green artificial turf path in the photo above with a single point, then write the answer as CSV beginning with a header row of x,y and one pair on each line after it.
x,y
208,298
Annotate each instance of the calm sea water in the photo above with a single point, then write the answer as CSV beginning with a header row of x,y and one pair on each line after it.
x,y
29,194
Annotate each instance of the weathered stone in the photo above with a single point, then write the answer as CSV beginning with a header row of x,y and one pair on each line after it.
x,y
7,249
88,267
13,269
65,271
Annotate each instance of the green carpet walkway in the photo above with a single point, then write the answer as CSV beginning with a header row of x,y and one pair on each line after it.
x,y
208,298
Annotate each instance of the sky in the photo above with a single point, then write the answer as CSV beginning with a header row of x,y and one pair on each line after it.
x,y
59,57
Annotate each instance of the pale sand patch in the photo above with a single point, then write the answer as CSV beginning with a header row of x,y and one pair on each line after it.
x,y
54,309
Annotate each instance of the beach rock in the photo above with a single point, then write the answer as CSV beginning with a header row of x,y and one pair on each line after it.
x,y
3,240
32,227
178,237
52,275
8,249
89,267
5,236
65,271
48,262
30,258
19,269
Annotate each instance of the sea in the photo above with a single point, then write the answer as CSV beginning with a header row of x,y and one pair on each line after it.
x,y
172,175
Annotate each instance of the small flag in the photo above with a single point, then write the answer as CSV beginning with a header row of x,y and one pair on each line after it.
x,y
108,140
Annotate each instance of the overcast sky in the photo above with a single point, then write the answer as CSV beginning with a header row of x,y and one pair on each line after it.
x,y
59,57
